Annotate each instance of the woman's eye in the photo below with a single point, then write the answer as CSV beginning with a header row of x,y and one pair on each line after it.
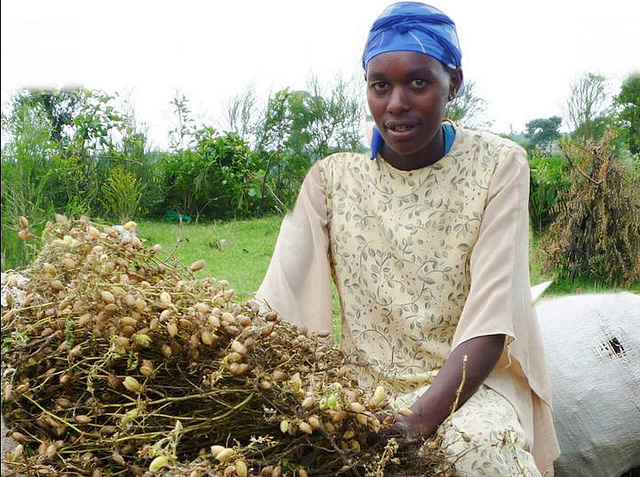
x,y
418,83
380,86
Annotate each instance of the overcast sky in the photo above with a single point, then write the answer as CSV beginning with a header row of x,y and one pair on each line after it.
x,y
523,56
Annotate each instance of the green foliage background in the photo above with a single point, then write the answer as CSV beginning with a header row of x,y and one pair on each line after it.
x,y
72,152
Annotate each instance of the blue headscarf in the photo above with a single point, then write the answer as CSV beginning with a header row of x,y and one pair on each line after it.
x,y
414,26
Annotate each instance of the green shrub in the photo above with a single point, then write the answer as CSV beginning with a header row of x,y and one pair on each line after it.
x,y
122,194
26,177
133,155
216,180
548,179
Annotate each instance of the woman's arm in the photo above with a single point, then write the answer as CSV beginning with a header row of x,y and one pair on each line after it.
x,y
436,404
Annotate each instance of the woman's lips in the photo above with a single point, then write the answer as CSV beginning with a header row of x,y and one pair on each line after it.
x,y
400,131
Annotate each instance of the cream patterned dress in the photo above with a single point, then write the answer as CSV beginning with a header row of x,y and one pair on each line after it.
x,y
420,264
400,243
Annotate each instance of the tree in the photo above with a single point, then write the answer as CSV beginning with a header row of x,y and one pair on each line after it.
x,y
240,111
585,108
310,123
468,108
295,129
628,102
83,122
59,106
542,133
183,135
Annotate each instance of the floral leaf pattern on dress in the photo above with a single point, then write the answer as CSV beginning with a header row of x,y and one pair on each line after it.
x,y
401,242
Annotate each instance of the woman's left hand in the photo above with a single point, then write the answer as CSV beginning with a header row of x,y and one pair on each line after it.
x,y
437,403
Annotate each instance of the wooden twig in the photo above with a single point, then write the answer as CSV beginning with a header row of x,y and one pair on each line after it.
x,y
462,381
582,173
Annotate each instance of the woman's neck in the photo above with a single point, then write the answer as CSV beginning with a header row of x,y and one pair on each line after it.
x,y
422,158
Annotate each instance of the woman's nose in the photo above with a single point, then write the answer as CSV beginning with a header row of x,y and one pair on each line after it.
x,y
397,101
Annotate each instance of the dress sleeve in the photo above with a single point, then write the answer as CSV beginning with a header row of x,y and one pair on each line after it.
x,y
499,267
499,302
297,284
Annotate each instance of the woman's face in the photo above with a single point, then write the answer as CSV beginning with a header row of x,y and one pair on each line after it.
x,y
407,93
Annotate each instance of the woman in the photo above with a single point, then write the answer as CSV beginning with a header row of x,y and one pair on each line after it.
x,y
427,246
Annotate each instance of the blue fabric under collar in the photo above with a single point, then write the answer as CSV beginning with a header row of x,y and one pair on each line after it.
x,y
448,134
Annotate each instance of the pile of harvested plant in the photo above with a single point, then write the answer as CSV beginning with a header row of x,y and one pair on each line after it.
x,y
116,362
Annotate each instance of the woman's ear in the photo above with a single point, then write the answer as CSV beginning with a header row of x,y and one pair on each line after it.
x,y
455,83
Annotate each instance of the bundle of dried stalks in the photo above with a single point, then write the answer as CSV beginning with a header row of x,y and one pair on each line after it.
x,y
596,231
119,363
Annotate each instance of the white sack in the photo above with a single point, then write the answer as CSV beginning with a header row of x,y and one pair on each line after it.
x,y
592,346
8,444
12,288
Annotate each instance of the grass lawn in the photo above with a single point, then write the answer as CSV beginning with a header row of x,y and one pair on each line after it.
x,y
239,251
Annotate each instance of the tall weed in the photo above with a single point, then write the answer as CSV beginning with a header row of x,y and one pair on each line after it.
x,y
26,176
122,194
